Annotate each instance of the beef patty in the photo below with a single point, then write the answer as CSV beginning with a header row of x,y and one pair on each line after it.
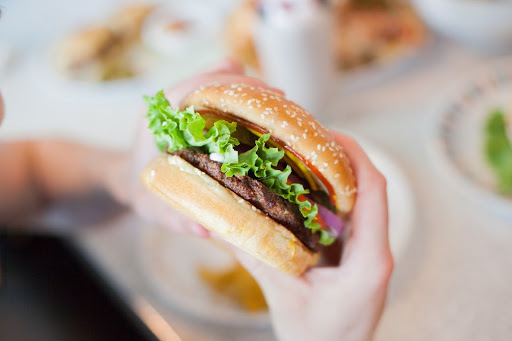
x,y
277,208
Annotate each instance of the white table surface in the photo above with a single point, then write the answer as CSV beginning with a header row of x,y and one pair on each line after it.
x,y
454,282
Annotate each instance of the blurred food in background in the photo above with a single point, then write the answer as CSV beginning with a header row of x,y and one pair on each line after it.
x,y
365,31
236,284
373,31
104,51
239,33
498,148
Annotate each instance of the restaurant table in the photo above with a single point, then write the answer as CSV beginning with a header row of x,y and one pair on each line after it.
x,y
453,281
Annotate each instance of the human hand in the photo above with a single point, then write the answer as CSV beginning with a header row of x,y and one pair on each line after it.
x,y
343,302
131,191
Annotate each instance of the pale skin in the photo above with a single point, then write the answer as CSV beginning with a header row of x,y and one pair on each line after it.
x,y
344,302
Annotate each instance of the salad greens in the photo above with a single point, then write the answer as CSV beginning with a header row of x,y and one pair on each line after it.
x,y
498,150
175,129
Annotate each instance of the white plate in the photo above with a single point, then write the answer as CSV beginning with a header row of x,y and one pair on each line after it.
x,y
458,134
170,263
400,199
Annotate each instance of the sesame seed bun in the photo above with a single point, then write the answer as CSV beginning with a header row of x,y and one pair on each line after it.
x,y
288,122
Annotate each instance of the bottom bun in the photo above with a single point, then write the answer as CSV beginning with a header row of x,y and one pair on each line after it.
x,y
201,198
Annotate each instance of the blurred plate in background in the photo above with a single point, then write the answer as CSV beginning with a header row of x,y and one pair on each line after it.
x,y
172,265
482,25
459,134
401,207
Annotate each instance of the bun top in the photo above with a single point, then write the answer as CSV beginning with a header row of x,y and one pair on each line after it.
x,y
288,122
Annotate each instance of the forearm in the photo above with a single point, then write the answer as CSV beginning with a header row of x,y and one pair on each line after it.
x,y
35,172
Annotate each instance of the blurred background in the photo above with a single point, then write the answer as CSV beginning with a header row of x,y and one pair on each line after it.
x,y
423,85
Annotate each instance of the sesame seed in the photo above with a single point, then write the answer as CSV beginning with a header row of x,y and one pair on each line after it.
x,y
336,161
304,136
253,208
240,201
337,175
152,172
325,164
318,147
323,148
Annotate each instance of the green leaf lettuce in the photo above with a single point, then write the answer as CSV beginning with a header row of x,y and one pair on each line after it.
x,y
498,150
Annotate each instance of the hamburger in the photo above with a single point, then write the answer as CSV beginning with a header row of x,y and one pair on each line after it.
x,y
253,167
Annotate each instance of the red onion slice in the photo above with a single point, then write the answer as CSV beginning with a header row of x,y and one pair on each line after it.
x,y
334,222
